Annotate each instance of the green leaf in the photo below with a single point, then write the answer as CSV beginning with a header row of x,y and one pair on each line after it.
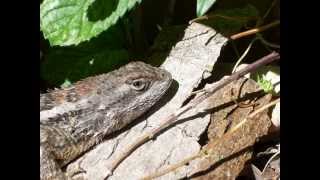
x,y
70,22
265,84
99,55
203,6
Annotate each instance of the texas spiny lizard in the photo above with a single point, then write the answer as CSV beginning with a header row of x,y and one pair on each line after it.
x,y
76,118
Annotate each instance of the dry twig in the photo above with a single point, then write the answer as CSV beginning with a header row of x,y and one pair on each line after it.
x,y
254,30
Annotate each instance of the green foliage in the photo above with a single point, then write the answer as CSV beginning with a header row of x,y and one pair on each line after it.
x,y
66,83
265,84
96,56
203,6
232,20
70,22
92,39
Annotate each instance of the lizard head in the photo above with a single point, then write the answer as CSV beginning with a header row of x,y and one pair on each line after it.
x,y
136,86
131,90
105,103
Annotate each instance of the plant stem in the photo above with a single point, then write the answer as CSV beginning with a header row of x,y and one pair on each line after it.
x,y
254,30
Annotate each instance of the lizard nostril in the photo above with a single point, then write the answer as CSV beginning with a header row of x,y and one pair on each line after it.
x,y
163,74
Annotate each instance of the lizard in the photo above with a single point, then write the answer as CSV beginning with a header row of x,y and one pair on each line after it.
x,y
76,118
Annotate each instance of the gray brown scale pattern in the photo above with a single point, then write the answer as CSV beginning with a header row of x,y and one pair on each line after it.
x,y
74,119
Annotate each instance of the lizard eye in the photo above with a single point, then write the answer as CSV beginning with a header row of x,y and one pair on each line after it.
x,y
139,85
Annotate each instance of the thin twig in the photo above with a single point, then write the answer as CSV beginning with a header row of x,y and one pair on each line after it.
x,y
269,161
204,151
243,55
173,117
255,113
255,30
172,168
259,36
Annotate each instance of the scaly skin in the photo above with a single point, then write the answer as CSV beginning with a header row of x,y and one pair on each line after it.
x,y
74,119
